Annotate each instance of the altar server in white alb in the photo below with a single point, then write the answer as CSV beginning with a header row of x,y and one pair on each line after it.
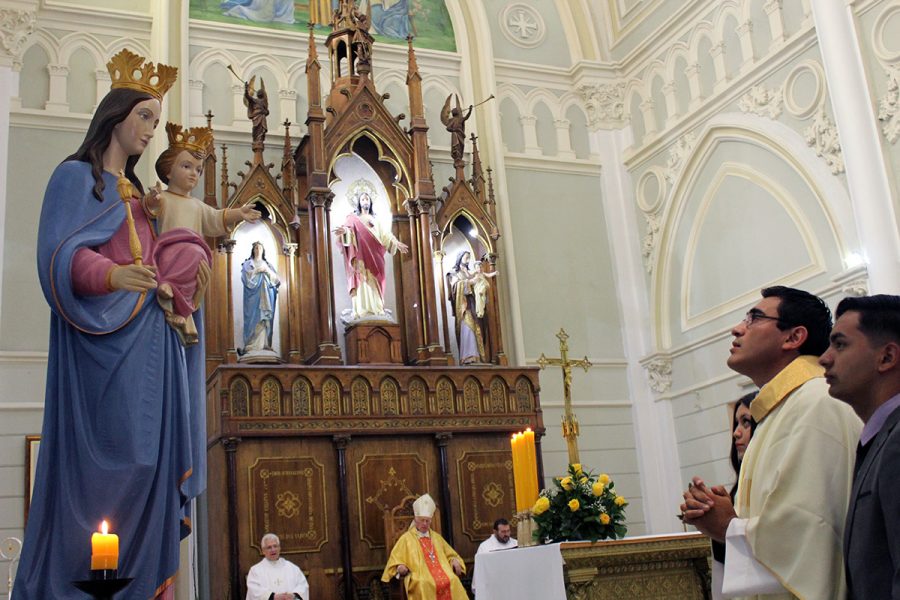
x,y
501,539
274,578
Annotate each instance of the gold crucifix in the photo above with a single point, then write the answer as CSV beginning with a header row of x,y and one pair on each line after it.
x,y
569,421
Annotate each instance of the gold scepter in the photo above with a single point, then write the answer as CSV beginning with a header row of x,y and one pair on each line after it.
x,y
126,190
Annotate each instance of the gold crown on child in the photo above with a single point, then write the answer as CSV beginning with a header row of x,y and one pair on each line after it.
x,y
195,139
128,70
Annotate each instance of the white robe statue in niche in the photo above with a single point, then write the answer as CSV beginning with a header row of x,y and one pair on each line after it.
x,y
364,242
261,283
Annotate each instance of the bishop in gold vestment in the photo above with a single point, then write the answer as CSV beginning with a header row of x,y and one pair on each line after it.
x,y
425,561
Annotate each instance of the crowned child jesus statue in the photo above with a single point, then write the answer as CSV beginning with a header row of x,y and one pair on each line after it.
x,y
182,220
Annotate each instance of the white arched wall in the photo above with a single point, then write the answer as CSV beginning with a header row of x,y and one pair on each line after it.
x,y
838,232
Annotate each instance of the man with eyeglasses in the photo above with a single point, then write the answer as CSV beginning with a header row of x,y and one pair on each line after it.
x,y
783,535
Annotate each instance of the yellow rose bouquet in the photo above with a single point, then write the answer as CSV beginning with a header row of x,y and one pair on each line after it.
x,y
579,506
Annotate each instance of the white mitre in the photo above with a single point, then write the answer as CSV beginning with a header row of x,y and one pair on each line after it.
x,y
424,506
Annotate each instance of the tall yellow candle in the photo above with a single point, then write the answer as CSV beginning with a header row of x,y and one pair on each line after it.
x,y
531,467
517,478
104,549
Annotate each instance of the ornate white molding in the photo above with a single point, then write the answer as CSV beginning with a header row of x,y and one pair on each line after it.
x,y
678,154
856,288
659,372
522,25
605,103
822,136
649,241
889,106
15,27
762,101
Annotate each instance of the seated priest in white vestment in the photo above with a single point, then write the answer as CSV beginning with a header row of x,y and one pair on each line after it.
x,y
426,563
274,578
501,539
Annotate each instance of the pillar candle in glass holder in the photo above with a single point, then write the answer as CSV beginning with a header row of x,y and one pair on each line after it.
x,y
104,549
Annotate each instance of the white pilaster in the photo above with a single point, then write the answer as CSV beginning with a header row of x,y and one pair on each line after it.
x,y
563,138
59,75
529,131
870,188
654,426
18,26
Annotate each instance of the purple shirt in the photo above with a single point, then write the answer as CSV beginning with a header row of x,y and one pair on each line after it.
x,y
876,421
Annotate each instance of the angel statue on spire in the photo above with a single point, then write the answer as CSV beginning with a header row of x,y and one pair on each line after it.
x,y
257,103
455,122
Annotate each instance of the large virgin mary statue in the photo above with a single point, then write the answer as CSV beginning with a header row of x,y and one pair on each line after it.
x,y
364,242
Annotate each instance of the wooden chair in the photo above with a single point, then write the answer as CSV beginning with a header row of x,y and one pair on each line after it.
x,y
396,522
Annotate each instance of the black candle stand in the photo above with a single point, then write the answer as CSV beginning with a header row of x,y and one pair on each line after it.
x,y
103,584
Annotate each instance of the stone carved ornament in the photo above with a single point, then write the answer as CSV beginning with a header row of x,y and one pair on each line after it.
x,y
762,102
822,136
678,155
889,106
605,103
659,373
15,27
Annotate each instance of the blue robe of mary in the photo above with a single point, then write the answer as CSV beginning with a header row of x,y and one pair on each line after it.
x,y
124,430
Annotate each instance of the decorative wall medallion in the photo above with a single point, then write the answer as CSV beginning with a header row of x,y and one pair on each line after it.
x,y
822,136
522,25
762,101
794,89
365,111
604,103
659,373
889,106
650,190
678,155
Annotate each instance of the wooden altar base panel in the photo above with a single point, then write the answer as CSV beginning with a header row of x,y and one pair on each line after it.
x,y
645,568
373,344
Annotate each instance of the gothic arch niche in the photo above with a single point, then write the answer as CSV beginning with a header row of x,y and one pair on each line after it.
x,y
352,176
273,239
463,240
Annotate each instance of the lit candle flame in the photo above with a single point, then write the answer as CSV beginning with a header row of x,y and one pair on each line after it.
x,y
104,527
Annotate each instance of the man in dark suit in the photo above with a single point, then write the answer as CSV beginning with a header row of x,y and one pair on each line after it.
x,y
862,368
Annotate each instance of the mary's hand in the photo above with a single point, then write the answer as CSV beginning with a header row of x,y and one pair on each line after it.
x,y
203,274
132,278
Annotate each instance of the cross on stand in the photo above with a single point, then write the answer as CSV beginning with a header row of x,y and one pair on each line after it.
x,y
569,421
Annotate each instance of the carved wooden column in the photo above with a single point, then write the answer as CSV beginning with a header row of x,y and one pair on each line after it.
x,y
294,341
328,351
231,350
427,300
340,446
442,440
234,564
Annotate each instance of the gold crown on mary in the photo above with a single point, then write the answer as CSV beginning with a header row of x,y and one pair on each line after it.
x,y
128,70
195,139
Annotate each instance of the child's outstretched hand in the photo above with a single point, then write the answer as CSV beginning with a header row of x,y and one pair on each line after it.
x,y
248,213
151,198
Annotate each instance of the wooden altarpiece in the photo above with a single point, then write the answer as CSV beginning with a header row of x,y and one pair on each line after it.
x,y
316,444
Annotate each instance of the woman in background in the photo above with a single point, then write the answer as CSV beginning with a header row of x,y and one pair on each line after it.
x,y
742,428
